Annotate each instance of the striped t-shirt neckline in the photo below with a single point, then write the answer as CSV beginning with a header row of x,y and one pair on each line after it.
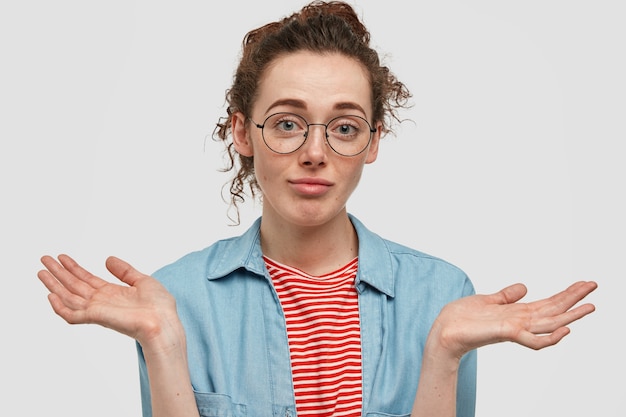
x,y
323,330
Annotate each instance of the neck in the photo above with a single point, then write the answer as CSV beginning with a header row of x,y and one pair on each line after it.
x,y
316,250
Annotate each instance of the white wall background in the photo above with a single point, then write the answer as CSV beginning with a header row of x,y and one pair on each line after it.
x,y
513,170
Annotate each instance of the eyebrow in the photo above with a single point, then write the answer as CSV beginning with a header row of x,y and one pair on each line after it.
x,y
300,104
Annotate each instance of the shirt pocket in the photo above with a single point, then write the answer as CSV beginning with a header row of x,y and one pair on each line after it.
x,y
218,405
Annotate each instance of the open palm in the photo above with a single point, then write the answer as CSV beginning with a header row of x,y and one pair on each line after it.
x,y
139,309
478,320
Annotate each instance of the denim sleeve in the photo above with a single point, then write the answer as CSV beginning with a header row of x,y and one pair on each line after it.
x,y
466,386
144,384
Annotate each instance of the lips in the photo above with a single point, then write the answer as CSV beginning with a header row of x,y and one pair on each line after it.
x,y
310,186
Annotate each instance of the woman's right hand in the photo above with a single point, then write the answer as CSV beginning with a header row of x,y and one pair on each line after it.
x,y
143,309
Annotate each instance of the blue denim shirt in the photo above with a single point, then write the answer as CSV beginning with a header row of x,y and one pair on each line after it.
x,y
237,340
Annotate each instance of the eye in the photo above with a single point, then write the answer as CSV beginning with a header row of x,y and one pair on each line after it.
x,y
346,127
286,122
286,125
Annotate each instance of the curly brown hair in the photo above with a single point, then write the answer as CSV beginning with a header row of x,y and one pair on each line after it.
x,y
318,27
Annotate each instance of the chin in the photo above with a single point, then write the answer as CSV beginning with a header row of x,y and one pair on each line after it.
x,y
312,218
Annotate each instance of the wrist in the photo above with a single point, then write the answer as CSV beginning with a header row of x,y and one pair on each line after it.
x,y
439,349
165,340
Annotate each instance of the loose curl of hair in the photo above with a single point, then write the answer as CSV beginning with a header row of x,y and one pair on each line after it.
x,y
321,27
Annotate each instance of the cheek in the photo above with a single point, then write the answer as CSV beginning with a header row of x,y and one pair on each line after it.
x,y
356,170
263,170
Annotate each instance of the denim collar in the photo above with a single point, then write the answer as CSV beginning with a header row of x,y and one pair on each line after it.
x,y
375,266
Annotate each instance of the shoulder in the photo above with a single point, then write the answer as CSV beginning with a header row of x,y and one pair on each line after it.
x,y
394,267
414,257
192,264
216,260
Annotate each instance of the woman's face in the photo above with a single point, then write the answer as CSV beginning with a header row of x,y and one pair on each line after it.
x,y
310,186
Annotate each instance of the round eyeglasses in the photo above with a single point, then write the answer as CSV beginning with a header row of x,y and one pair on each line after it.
x,y
285,133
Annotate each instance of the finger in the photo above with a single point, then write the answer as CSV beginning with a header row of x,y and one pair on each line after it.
x,y
537,342
72,266
564,300
66,278
64,303
55,287
63,309
576,292
49,281
550,324
123,270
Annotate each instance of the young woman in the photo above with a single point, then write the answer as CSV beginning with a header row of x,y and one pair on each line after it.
x,y
308,312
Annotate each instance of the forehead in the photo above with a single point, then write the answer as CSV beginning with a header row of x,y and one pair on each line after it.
x,y
316,83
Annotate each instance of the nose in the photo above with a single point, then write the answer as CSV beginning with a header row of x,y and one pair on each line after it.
x,y
314,150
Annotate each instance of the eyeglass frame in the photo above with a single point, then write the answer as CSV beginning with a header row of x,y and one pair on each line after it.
x,y
306,133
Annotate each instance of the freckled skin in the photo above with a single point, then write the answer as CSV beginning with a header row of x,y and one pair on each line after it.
x,y
314,80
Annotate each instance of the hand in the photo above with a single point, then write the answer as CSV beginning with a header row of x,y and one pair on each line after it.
x,y
143,309
478,320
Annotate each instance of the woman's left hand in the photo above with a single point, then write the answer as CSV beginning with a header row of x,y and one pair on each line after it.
x,y
479,320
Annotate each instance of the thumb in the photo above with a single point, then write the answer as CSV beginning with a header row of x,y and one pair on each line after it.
x,y
123,270
510,294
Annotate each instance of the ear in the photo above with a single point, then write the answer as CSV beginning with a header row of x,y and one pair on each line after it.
x,y
241,138
372,151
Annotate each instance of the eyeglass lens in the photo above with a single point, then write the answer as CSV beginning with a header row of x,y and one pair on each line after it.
x,y
286,132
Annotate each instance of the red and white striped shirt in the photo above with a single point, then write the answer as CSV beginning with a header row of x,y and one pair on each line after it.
x,y
322,316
